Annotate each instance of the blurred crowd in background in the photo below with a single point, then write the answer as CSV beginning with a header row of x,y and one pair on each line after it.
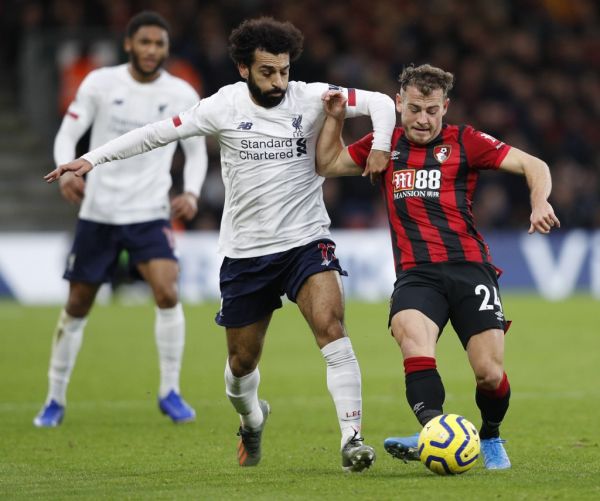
x,y
526,71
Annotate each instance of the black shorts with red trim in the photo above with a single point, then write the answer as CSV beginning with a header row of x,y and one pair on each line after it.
x,y
466,293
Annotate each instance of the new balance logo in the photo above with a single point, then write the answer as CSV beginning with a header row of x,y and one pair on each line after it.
x,y
245,126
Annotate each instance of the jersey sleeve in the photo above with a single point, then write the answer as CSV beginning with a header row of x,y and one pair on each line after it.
x,y
77,120
194,148
201,119
482,150
378,106
359,151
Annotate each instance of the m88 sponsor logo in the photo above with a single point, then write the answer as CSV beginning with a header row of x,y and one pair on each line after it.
x,y
412,179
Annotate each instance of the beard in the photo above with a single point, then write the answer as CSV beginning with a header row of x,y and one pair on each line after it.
x,y
135,62
268,99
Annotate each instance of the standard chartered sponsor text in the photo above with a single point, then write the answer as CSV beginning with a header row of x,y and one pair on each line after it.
x,y
285,146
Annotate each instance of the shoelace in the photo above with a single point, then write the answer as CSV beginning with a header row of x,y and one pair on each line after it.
x,y
355,440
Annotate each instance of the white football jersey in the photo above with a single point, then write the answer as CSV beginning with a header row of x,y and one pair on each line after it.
x,y
135,189
273,195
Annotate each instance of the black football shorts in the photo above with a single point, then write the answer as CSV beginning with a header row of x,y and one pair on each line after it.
x,y
251,288
95,252
465,293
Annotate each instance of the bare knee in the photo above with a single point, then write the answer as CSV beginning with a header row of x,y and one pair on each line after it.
x,y
329,329
81,298
242,363
165,295
415,333
489,377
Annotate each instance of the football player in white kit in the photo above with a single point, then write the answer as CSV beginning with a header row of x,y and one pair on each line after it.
x,y
125,206
275,228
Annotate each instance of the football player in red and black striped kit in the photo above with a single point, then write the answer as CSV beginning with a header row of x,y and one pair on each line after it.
x,y
443,266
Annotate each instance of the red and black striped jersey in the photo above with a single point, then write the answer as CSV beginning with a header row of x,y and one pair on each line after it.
x,y
428,192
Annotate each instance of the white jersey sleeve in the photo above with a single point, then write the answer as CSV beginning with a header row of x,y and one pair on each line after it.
x,y
135,142
196,121
378,106
196,159
196,164
77,120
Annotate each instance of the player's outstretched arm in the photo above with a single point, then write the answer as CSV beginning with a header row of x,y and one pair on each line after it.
x,y
79,167
133,143
538,177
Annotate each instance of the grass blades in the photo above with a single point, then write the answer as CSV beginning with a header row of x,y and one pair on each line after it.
x,y
115,444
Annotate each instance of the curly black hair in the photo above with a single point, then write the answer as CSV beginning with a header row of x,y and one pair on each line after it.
x,y
146,18
426,78
264,33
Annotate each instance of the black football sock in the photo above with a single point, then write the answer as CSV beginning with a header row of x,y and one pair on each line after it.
x,y
424,388
493,406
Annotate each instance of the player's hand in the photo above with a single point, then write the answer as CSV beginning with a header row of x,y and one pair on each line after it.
x,y
184,206
543,219
377,163
72,188
79,167
334,104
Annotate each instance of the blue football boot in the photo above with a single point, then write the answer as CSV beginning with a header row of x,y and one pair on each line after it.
x,y
176,408
50,416
404,448
494,454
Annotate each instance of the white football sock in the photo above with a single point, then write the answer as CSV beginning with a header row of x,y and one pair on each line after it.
x,y
344,384
65,347
243,394
169,331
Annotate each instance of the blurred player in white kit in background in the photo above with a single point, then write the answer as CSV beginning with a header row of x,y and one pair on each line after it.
x,y
125,206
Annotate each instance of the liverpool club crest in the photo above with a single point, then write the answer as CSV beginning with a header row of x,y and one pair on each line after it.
x,y
442,152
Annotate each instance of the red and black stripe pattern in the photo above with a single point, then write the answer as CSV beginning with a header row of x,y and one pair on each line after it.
x,y
428,192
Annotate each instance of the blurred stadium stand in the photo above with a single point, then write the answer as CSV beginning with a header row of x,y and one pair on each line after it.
x,y
25,202
527,71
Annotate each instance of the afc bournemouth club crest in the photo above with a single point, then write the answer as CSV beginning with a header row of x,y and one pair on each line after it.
x,y
442,152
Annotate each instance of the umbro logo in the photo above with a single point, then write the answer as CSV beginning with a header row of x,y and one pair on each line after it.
x,y
245,126
418,407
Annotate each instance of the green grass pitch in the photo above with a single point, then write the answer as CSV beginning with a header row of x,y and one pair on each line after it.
x,y
115,444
